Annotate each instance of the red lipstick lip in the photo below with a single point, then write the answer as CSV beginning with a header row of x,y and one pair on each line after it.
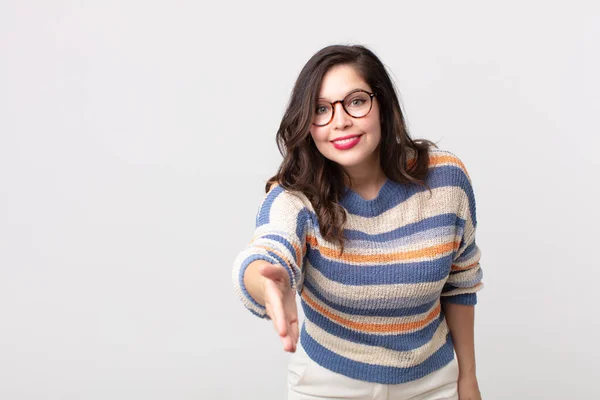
x,y
345,137
347,145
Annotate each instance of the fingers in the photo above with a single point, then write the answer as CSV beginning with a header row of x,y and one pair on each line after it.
x,y
291,339
281,305
294,333
287,330
288,344
274,304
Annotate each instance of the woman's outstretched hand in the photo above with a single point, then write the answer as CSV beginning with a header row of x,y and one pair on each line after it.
x,y
280,301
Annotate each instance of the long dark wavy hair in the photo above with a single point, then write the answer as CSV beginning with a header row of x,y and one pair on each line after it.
x,y
322,181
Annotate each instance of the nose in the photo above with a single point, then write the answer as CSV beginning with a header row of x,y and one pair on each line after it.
x,y
341,119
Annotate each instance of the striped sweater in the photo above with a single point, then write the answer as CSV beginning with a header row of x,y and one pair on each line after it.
x,y
374,313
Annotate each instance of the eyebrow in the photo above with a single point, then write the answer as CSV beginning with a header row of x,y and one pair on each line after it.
x,y
346,95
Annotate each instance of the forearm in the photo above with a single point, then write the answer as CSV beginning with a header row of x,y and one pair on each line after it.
x,y
253,281
461,322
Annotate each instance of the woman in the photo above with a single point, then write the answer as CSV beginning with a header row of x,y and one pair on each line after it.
x,y
376,232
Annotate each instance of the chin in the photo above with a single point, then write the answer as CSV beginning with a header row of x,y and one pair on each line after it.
x,y
349,162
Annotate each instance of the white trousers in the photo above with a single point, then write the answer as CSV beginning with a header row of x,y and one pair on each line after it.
x,y
307,380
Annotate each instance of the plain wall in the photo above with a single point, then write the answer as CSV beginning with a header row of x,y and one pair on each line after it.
x,y
136,138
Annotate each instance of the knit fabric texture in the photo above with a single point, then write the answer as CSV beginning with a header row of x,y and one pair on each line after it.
x,y
375,312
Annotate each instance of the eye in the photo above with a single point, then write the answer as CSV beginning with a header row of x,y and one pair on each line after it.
x,y
356,100
321,109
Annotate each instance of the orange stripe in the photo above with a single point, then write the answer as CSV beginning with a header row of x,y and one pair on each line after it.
x,y
374,328
432,251
437,160
298,254
457,268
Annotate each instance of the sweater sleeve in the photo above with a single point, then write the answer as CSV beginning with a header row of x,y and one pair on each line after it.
x,y
465,278
279,238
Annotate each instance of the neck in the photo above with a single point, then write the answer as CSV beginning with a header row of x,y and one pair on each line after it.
x,y
366,177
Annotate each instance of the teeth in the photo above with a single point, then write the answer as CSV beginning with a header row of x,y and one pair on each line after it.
x,y
345,140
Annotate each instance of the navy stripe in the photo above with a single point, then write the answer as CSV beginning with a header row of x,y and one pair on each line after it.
x,y
245,265
398,342
468,252
283,241
302,221
274,259
265,210
283,263
460,225
448,287
467,299
393,193
377,274
376,373
466,186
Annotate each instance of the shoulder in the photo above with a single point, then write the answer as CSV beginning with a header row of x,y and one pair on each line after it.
x,y
293,199
442,157
282,206
452,167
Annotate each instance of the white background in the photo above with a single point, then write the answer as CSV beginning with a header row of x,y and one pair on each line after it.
x,y
136,138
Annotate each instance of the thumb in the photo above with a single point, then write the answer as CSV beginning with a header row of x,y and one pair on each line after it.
x,y
274,272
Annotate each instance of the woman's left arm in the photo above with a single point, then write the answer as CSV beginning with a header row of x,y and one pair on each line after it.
x,y
458,296
461,322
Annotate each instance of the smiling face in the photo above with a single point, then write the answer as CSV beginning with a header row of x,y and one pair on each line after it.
x,y
359,151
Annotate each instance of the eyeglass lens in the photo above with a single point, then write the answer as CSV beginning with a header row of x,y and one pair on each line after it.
x,y
356,104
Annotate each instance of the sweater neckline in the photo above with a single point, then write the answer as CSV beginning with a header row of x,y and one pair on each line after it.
x,y
356,204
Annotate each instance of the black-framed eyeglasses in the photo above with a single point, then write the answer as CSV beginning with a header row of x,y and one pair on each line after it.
x,y
357,104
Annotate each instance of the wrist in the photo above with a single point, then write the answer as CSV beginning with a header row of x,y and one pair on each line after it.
x,y
467,379
254,281
466,371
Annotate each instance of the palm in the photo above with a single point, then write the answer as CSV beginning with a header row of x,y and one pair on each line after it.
x,y
280,302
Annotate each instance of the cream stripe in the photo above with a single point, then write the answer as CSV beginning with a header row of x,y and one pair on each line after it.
x,y
283,214
465,274
409,211
444,232
366,319
373,248
378,355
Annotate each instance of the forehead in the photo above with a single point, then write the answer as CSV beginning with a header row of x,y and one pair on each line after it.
x,y
340,80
